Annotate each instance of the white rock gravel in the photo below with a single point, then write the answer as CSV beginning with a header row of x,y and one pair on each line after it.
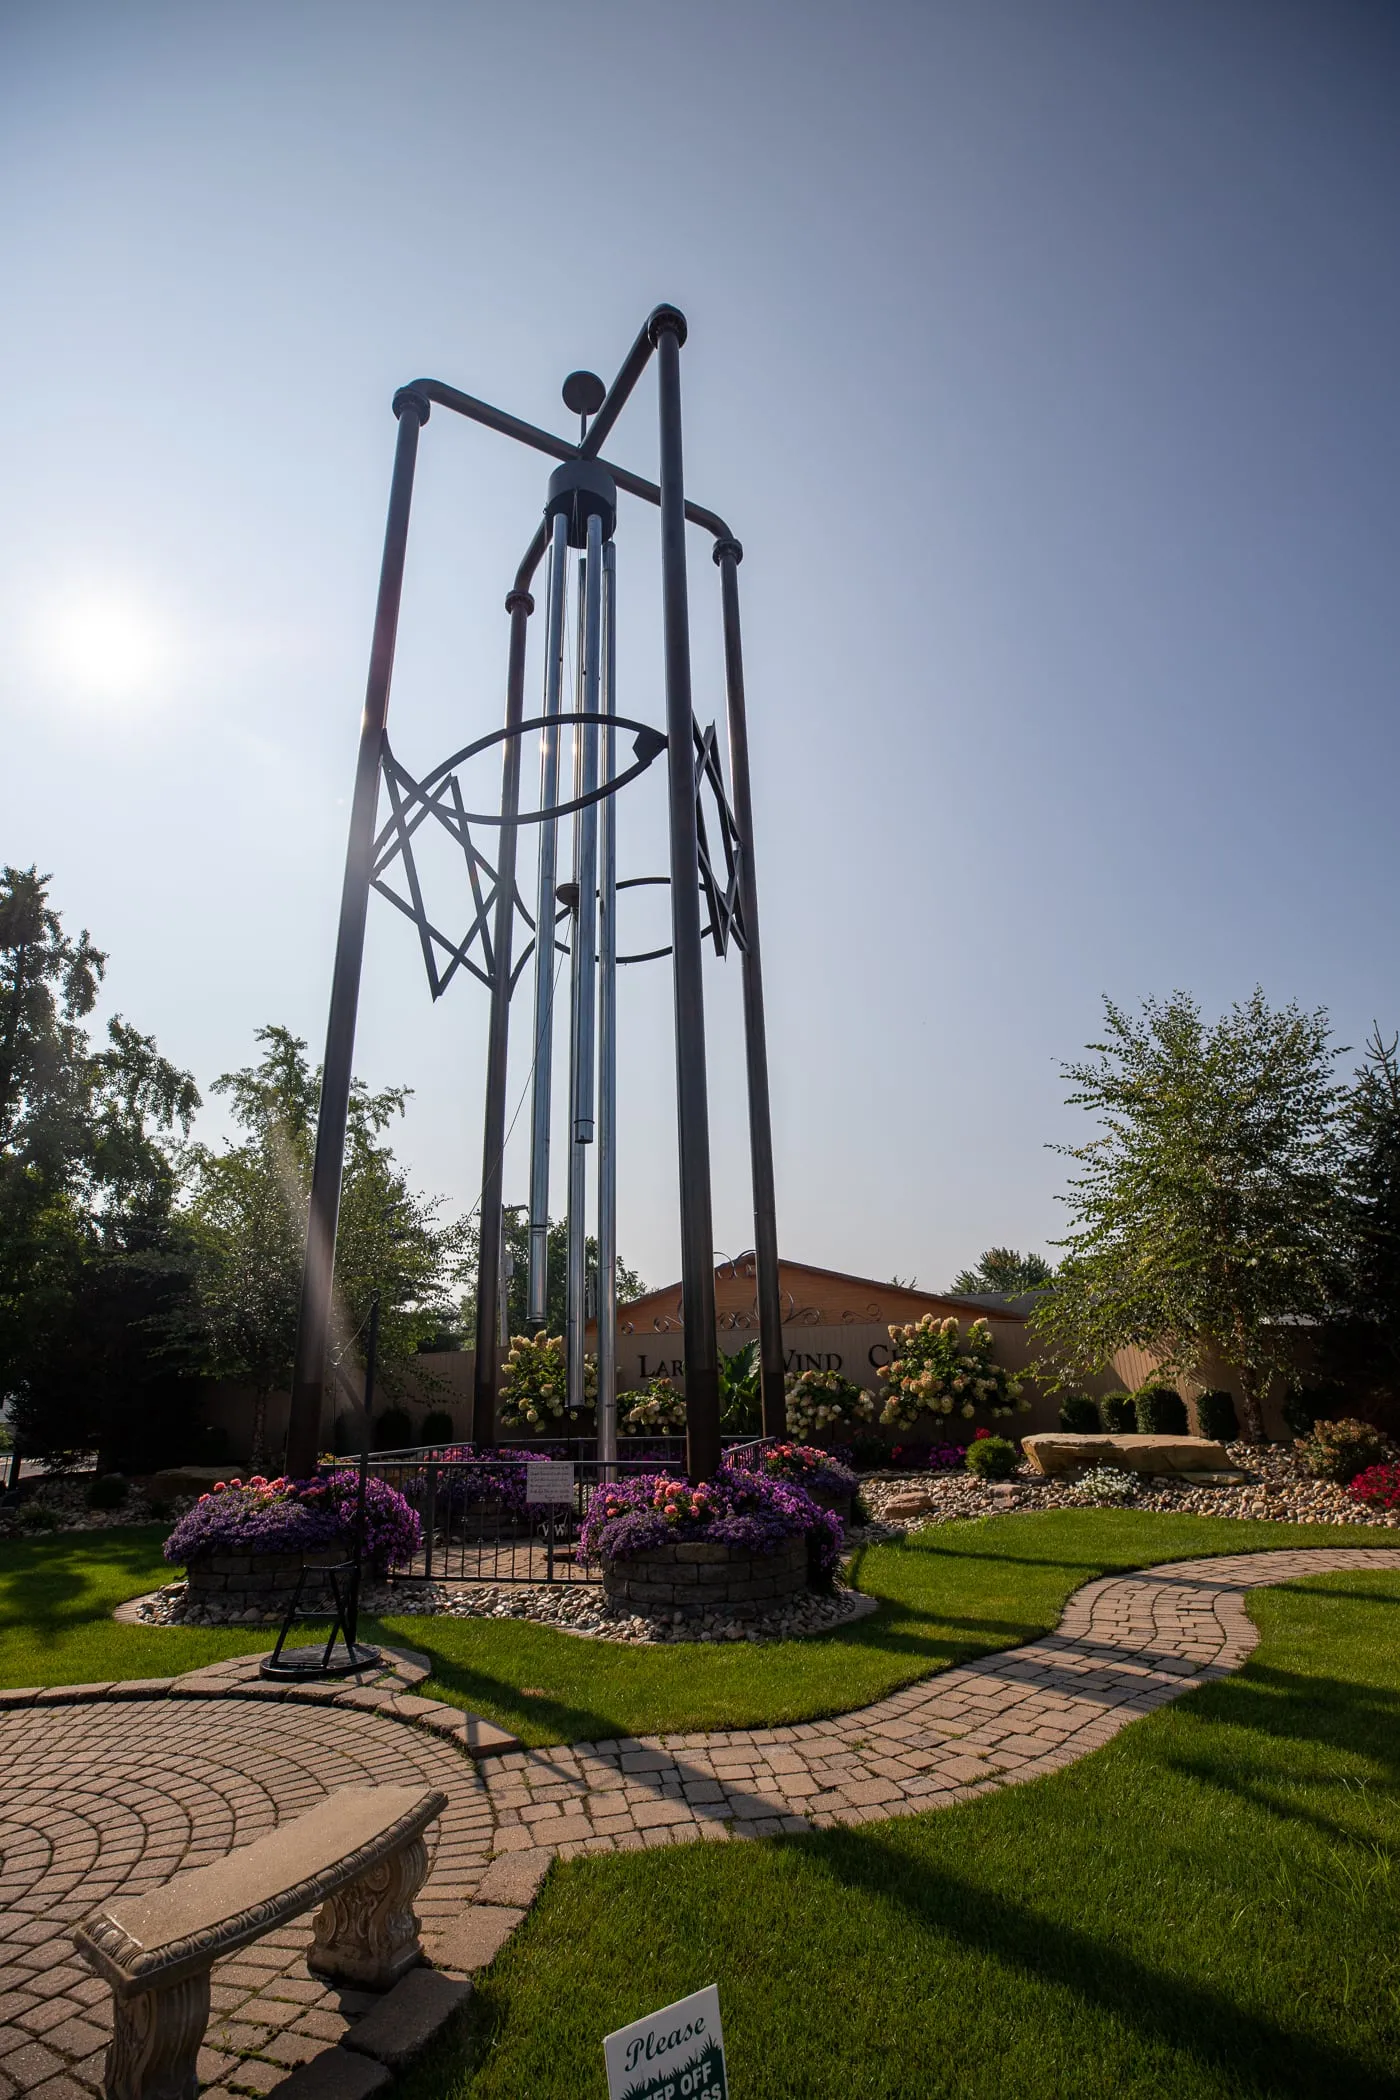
x,y
578,1608
1277,1489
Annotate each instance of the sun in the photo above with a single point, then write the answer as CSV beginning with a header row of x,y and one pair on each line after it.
x,y
106,646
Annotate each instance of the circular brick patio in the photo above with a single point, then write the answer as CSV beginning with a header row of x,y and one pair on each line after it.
x,y
121,1796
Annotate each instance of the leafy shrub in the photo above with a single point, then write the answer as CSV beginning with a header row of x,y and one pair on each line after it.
x,y
1340,1450
535,1383
297,1516
393,1430
627,1517
1118,1413
654,1409
1160,1412
935,1368
1104,1487
1216,1417
437,1426
991,1457
1078,1416
108,1491
820,1402
1378,1487
804,1463
869,1451
37,1516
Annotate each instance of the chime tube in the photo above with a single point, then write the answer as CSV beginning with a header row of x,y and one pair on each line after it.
x,y
607,1038
587,871
544,933
585,950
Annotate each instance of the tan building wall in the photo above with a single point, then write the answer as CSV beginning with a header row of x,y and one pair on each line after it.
x,y
831,1321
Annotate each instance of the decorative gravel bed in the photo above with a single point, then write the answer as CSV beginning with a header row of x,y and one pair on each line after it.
x,y
67,1500
1277,1489
579,1608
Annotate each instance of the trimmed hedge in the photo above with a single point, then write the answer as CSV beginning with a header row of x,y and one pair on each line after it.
x,y
1078,1416
1118,1414
1161,1412
1216,1417
437,1427
393,1430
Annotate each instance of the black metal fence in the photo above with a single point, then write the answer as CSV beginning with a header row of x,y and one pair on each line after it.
x,y
499,1519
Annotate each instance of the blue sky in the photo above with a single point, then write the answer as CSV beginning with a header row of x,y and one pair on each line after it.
x,y
1043,359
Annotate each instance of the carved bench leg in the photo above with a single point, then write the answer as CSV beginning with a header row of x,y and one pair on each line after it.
x,y
155,2041
367,1934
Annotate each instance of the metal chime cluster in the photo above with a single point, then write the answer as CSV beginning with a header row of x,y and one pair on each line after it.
x,y
711,867
581,514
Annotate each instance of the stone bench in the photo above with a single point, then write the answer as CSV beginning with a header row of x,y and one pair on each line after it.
x,y
359,1854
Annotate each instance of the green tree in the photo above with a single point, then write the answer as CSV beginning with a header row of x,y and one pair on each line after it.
x,y
517,1251
1205,1212
246,1218
1360,1350
87,1176
1003,1269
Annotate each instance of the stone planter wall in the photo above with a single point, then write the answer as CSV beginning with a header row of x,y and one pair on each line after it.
x,y
241,1580
696,1576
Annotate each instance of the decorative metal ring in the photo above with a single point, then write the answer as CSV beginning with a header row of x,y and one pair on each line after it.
x,y
648,745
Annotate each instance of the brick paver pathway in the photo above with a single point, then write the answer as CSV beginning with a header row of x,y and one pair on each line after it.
x,y
1124,1646
122,1793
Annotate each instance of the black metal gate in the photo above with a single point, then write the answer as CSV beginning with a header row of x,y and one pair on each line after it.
x,y
487,1520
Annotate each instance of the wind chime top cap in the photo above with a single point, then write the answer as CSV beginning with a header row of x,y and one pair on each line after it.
x,y
584,393
580,490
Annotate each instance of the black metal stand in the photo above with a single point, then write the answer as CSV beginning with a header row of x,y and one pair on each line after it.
x,y
300,1664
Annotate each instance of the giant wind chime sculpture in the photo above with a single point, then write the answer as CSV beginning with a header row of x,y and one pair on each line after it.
x,y
711,865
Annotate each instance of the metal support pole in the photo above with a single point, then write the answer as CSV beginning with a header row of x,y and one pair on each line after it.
x,y
607,1038
520,605
543,1074
692,1096
728,554
318,1270
585,978
352,1617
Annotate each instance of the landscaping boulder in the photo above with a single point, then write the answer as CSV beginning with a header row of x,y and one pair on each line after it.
x,y
915,1502
1056,1452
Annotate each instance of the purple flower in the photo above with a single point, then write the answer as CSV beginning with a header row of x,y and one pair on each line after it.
x,y
742,1509
474,1477
805,1464
298,1516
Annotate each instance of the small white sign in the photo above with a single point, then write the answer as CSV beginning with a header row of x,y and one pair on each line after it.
x,y
674,2054
549,1480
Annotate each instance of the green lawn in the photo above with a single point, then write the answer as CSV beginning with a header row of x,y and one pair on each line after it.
x,y
1206,1909
957,1591
1210,1906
